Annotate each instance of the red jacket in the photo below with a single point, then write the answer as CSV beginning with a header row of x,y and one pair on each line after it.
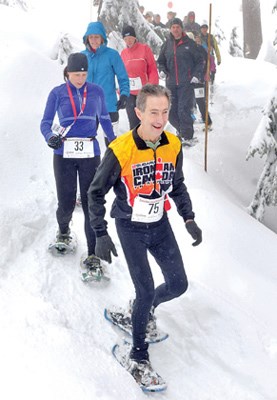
x,y
140,66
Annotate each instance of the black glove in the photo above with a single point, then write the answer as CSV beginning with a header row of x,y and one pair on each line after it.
x,y
219,62
121,104
103,248
195,232
55,142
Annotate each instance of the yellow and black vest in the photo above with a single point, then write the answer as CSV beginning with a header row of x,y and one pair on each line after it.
x,y
145,171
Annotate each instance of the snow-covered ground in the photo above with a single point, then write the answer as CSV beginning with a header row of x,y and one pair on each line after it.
x,y
54,340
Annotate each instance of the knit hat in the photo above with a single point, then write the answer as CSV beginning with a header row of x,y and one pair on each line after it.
x,y
128,31
175,21
204,26
77,62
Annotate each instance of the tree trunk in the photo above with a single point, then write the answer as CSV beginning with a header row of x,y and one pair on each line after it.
x,y
252,28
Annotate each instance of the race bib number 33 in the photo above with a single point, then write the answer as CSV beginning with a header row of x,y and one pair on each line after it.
x,y
147,210
78,148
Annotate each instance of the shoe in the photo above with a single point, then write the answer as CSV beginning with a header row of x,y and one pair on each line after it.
x,y
210,127
123,319
181,138
91,269
151,329
141,370
189,142
144,375
64,238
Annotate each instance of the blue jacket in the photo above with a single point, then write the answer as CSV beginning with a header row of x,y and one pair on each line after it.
x,y
104,65
86,124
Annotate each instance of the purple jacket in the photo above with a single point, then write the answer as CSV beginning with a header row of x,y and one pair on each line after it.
x,y
86,124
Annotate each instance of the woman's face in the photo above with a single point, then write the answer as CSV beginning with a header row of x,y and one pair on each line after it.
x,y
77,78
95,41
130,41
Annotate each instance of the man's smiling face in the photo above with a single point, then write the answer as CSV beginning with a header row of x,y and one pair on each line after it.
x,y
154,117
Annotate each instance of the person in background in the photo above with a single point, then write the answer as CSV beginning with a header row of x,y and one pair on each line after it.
x,y
170,15
214,48
191,25
141,68
78,105
149,16
200,96
104,67
140,211
141,9
157,21
183,66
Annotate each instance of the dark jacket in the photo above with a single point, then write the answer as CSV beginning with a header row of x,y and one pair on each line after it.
x,y
180,60
191,25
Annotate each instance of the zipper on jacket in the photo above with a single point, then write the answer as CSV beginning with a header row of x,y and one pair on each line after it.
x,y
80,98
175,63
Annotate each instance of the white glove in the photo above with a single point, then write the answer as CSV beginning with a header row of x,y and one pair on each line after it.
x,y
194,80
162,75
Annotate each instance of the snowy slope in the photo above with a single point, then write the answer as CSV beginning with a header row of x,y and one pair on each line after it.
x,y
54,341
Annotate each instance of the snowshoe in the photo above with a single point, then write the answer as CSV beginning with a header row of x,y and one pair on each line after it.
x,y
189,142
65,243
91,269
210,128
142,372
122,319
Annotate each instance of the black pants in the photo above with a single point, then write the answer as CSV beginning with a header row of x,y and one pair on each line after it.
x,y
201,102
66,171
130,109
158,238
181,109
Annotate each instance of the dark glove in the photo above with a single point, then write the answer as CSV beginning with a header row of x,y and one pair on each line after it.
x,y
219,62
55,142
121,104
103,248
195,232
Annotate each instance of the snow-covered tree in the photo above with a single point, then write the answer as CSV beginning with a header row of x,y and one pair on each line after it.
x,y
62,49
116,14
264,143
235,48
218,32
16,3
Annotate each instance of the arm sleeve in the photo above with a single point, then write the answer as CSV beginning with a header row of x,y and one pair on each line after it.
x,y
121,74
104,118
199,63
48,116
152,71
179,193
106,175
162,60
216,49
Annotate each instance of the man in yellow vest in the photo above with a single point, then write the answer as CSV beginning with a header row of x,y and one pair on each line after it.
x,y
145,168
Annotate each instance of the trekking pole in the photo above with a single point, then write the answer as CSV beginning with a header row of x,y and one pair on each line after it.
x,y
207,89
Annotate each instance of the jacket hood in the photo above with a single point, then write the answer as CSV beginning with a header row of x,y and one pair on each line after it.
x,y
95,28
191,14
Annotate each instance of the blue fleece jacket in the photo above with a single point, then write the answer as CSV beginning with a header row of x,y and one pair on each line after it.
x,y
86,124
104,65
